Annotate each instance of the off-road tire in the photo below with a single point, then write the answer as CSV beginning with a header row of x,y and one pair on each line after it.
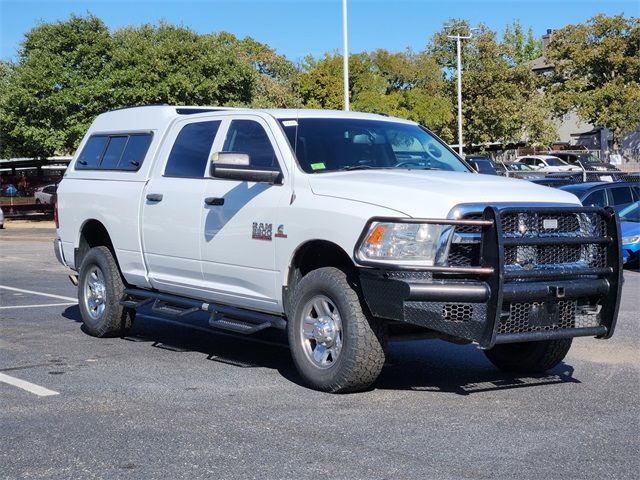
x,y
529,357
115,319
362,354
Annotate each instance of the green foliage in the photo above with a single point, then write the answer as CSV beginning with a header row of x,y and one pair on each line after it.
x,y
405,84
597,72
68,72
520,48
56,87
168,64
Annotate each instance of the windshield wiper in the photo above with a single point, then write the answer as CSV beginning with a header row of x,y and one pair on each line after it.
x,y
362,167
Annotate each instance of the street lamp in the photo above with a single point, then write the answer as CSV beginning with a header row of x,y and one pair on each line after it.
x,y
458,39
345,56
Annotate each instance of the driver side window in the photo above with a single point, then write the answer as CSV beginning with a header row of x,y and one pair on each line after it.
x,y
248,136
596,199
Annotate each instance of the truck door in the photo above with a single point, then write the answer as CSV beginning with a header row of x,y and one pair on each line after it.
x,y
240,226
172,210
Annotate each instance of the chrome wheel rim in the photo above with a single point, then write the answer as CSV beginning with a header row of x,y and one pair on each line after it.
x,y
95,292
321,331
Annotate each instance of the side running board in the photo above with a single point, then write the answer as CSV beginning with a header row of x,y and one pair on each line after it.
x,y
223,317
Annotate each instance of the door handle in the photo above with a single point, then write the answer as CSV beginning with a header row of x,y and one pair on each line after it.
x,y
154,197
214,201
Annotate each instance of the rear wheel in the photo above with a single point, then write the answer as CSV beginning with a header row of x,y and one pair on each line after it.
x,y
335,346
529,357
100,289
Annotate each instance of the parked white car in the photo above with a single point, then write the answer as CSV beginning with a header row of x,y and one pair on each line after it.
x,y
1,219
46,194
345,229
547,163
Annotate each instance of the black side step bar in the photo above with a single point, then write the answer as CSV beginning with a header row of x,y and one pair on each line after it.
x,y
224,317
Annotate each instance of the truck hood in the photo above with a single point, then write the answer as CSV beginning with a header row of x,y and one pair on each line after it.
x,y
432,194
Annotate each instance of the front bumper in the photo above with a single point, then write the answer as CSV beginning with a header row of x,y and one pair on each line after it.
x,y
494,302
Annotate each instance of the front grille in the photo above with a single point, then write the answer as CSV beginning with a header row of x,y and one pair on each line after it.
x,y
555,256
466,254
553,225
457,312
521,317
465,248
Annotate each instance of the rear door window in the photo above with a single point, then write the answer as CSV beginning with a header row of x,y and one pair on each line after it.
x,y
621,195
190,152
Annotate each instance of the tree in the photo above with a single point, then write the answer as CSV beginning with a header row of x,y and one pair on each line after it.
x,y
174,65
597,72
69,72
276,77
500,102
56,87
519,48
402,84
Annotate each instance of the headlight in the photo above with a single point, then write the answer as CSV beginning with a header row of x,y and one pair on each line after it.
x,y
634,239
406,243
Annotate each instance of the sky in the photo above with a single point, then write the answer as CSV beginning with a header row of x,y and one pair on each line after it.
x,y
303,27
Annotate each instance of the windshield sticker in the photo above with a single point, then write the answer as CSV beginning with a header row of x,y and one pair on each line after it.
x,y
261,231
290,123
318,166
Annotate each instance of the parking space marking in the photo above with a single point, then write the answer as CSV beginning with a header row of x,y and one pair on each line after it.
x,y
42,305
51,295
28,386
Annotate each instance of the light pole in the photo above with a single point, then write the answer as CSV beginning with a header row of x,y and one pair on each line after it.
x,y
345,56
458,39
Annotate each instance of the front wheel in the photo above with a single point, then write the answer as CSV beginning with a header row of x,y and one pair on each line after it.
x,y
100,289
529,357
335,346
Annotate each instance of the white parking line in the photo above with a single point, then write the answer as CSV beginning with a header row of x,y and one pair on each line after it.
x,y
36,306
28,386
51,295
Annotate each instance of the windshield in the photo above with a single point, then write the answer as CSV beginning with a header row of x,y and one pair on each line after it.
x,y
554,162
588,158
484,166
631,213
332,144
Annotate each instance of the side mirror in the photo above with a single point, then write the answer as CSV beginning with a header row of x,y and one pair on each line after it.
x,y
237,166
541,165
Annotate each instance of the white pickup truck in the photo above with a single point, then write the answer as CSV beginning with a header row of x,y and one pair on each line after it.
x,y
346,229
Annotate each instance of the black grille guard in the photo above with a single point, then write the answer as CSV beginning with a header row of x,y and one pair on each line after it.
x,y
490,285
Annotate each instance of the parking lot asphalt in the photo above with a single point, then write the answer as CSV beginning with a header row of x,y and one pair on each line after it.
x,y
181,401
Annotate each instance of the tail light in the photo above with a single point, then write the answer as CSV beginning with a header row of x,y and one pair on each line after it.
x,y
55,214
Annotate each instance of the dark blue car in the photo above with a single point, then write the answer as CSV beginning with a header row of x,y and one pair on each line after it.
x,y
602,194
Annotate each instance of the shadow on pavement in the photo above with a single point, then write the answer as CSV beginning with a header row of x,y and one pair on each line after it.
x,y
428,365
438,366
